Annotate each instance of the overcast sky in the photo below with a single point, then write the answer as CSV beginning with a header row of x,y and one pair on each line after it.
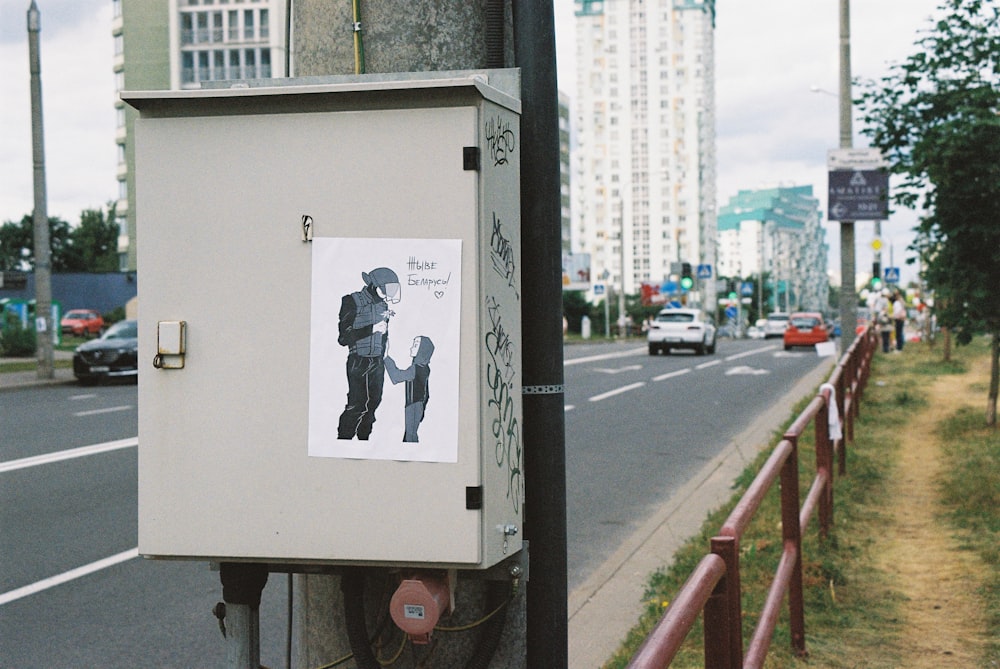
x,y
771,129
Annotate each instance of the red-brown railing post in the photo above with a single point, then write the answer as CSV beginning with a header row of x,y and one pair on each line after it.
x,y
791,533
718,628
824,465
728,548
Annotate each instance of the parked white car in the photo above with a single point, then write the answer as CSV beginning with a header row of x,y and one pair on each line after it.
x,y
775,324
680,328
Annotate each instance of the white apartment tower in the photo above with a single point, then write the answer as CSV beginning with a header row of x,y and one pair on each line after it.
x,y
644,182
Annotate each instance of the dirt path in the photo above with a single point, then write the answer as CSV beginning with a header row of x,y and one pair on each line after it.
x,y
943,620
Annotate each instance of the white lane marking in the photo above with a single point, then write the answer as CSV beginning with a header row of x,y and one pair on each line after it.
x,y
737,356
70,575
569,407
617,391
670,375
94,412
704,365
74,398
48,458
627,368
605,356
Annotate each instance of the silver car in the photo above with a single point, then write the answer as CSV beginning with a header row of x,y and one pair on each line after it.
x,y
680,328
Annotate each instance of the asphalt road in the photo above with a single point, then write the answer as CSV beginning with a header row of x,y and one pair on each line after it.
x,y
73,593
639,426
59,517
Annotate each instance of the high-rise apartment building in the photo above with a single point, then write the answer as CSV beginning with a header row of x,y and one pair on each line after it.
x,y
644,181
174,44
777,233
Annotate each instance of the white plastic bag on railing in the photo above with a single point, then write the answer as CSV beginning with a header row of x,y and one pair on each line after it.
x,y
833,413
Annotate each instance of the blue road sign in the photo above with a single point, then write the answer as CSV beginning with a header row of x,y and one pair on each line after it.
x,y
668,287
675,304
746,289
891,274
704,271
731,312
598,289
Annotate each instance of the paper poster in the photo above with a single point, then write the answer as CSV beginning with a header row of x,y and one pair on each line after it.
x,y
384,349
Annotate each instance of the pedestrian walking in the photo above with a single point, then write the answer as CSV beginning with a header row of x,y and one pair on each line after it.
x,y
899,318
883,319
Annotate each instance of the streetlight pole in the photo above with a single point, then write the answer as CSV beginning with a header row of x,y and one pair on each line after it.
x,y
848,301
40,217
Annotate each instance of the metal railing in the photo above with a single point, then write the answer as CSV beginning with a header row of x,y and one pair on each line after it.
x,y
713,588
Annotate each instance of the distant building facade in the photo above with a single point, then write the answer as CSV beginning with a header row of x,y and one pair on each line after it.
x,y
175,44
645,163
777,232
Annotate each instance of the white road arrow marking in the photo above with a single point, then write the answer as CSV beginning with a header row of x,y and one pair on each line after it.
x,y
743,370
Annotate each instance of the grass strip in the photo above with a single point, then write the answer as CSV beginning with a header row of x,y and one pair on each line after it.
x,y
851,607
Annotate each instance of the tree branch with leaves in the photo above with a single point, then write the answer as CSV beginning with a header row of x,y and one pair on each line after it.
x,y
935,118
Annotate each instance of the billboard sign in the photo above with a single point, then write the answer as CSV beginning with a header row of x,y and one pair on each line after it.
x,y
575,271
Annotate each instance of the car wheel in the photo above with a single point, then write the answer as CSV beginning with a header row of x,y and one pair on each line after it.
x,y
652,349
788,347
700,349
711,348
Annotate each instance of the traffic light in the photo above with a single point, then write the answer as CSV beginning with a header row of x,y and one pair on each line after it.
x,y
876,282
687,281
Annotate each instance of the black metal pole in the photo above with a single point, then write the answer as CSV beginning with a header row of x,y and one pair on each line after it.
x,y
541,315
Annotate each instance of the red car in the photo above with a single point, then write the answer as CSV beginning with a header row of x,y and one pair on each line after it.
x,y
805,328
82,323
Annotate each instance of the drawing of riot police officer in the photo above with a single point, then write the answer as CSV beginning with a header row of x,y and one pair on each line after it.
x,y
364,329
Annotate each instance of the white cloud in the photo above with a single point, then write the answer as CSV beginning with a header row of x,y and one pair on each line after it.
x,y
770,128
78,108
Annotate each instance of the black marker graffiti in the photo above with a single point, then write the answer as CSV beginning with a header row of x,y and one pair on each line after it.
x,y
502,254
499,380
500,138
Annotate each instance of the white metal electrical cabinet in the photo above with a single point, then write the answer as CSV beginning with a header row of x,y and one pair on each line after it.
x,y
300,246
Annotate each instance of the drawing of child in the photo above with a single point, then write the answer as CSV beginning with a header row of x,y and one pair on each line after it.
x,y
417,377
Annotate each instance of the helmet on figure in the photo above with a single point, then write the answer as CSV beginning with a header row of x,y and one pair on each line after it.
x,y
385,281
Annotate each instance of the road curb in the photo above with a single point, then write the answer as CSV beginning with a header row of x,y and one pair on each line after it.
x,y
608,604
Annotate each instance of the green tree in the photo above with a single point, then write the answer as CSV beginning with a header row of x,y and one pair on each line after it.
x,y
17,243
90,246
94,243
935,118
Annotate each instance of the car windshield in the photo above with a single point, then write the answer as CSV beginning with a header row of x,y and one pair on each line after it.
x,y
777,317
804,322
669,317
122,330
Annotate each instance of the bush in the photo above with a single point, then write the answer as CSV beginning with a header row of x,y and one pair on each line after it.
x,y
17,342
113,316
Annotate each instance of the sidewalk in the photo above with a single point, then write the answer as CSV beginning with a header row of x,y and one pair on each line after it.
x,y
608,604
14,380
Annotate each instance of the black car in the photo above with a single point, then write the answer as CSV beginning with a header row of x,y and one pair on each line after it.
x,y
115,354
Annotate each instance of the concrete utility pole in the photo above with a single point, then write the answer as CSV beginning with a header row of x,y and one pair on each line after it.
x,y
848,300
43,262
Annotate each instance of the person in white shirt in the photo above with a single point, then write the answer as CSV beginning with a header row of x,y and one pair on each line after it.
x,y
899,318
